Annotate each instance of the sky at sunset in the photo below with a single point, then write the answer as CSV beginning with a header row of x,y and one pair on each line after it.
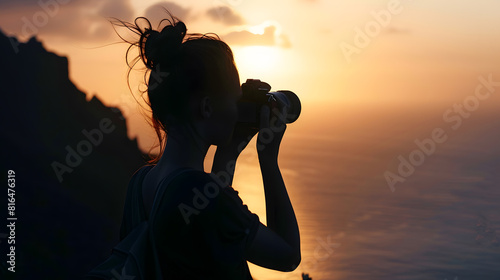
x,y
372,76
366,53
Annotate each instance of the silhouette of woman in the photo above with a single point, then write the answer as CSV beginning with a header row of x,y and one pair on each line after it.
x,y
202,228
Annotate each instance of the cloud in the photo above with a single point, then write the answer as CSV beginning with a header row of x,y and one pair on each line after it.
x,y
156,12
23,4
270,37
75,20
85,20
117,8
225,15
284,42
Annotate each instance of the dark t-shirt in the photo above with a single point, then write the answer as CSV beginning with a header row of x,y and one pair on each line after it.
x,y
201,229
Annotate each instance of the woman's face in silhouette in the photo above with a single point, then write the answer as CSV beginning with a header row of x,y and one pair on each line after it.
x,y
225,112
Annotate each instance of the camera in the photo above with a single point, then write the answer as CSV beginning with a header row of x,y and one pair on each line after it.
x,y
256,94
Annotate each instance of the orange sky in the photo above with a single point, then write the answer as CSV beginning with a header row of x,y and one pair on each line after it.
x,y
343,63
328,52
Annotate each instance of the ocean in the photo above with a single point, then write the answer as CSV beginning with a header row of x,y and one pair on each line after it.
x,y
437,217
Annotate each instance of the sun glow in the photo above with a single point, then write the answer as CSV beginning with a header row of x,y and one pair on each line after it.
x,y
256,61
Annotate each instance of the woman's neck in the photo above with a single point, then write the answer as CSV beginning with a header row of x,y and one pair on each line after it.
x,y
184,148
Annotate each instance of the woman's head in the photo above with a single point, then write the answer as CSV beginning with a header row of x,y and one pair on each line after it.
x,y
192,79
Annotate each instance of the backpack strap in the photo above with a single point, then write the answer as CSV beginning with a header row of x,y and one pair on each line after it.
x,y
163,186
133,214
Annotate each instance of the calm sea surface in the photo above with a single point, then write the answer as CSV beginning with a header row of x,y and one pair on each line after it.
x,y
442,222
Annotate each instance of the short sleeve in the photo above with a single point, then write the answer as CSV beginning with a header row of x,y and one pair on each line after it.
x,y
235,223
229,228
205,229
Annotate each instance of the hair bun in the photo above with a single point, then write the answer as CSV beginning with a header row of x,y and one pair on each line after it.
x,y
150,50
164,47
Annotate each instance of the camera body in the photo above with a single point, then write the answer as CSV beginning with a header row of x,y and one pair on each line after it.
x,y
256,94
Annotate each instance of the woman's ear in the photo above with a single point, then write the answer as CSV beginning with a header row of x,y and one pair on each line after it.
x,y
206,108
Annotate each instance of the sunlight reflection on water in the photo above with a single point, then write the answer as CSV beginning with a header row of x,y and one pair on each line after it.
x,y
443,222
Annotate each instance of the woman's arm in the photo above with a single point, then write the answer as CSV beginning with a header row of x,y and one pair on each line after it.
x,y
279,211
226,155
276,246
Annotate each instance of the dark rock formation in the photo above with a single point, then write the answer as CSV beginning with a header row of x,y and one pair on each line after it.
x,y
72,161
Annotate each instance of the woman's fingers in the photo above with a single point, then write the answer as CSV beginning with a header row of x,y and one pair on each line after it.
x,y
272,128
275,120
265,113
280,116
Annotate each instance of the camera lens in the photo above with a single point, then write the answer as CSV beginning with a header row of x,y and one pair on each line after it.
x,y
291,101
256,94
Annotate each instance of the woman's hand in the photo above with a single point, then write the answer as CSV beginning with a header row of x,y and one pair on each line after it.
x,y
272,129
242,135
227,154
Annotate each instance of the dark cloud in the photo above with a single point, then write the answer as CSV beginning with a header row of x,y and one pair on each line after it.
x,y
268,38
117,8
156,12
225,15
23,4
53,6
75,20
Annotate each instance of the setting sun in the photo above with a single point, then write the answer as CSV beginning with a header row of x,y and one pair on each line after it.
x,y
390,172
256,61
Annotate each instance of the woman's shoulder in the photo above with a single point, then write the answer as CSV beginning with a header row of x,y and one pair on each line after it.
x,y
186,175
207,199
139,174
200,186
193,182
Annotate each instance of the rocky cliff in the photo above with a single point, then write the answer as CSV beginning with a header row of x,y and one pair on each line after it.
x,y
72,161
